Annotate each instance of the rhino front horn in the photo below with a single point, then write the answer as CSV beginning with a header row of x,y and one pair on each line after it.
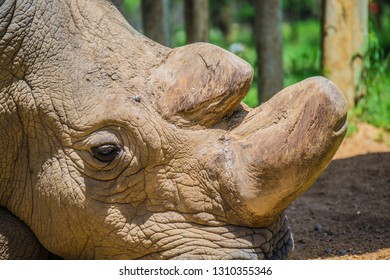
x,y
199,84
281,148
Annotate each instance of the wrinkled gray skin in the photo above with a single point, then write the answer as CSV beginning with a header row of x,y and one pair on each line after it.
x,y
115,147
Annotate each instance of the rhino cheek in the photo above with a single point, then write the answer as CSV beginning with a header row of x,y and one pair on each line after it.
x,y
83,222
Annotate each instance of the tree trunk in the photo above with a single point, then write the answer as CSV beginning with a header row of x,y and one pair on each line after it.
x,y
344,35
197,20
268,32
155,20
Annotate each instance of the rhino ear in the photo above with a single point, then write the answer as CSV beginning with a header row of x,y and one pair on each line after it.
x,y
199,84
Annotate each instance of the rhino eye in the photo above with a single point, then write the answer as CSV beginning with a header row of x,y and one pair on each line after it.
x,y
105,153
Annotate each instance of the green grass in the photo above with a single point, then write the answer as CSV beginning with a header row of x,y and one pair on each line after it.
x,y
374,107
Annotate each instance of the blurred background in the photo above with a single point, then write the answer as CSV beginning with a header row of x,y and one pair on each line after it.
x,y
287,41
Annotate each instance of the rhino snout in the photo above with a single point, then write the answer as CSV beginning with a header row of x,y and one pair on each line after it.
x,y
281,148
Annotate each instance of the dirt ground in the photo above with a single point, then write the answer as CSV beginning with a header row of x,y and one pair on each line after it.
x,y
346,213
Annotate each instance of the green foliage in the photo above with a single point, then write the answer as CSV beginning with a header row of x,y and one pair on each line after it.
x,y
352,128
246,13
251,99
179,38
131,5
301,9
374,107
383,28
217,38
301,50
352,123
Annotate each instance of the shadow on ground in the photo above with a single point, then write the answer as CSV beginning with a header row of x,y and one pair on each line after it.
x,y
346,213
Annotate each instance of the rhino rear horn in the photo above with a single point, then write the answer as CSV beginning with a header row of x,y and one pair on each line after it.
x,y
199,84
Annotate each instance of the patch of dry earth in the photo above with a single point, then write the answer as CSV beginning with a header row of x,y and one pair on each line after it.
x,y
346,214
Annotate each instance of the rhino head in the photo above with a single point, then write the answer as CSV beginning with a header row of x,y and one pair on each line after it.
x,y
115,147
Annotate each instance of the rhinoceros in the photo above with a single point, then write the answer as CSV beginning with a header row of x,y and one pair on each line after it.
x,y
116,147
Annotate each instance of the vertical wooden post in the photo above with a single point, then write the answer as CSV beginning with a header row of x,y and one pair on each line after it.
x,y
196,20
268,32
344,35
155,20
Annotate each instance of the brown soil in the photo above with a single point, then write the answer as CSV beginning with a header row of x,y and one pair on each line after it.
x,y
346,213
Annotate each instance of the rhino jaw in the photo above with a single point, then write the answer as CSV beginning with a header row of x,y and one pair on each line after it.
x,y
281,148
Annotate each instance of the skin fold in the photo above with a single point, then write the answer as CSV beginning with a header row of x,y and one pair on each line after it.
x,y
115,147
